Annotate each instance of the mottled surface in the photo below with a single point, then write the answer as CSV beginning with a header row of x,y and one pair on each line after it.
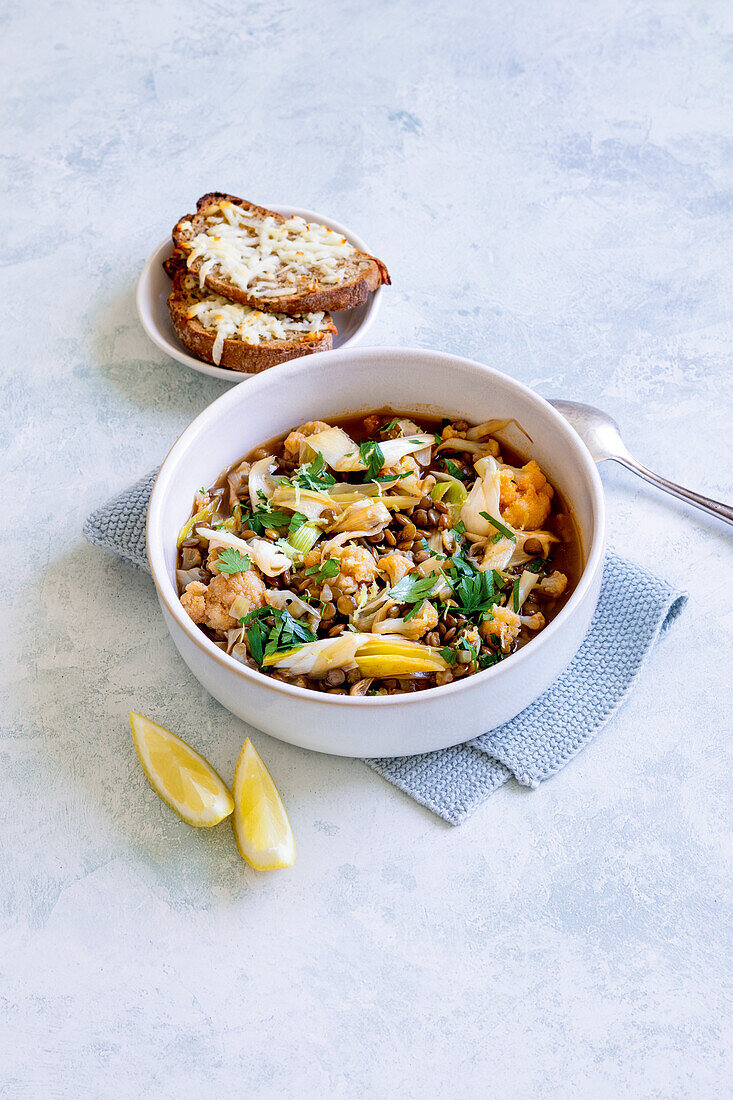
x,y
550,185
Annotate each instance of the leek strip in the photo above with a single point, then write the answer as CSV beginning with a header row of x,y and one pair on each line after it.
x,y
202,516
305,538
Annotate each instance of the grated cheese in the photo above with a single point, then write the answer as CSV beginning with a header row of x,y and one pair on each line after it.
x,y
266,257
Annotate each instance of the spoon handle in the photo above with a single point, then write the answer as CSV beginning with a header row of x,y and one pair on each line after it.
x,y
714,507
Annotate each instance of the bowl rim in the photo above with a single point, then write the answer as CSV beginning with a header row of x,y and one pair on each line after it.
x,y
171,602
146,313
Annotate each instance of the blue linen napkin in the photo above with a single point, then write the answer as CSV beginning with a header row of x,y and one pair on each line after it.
x,y
634,608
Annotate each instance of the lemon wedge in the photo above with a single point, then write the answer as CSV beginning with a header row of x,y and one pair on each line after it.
x,y
261,827
183,779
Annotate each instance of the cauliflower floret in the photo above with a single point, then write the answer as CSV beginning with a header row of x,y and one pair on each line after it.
x,y
525,496
552,585
396,565
296,437
357,567
313,557
194,601
426,619
503,627
371,425
533,622
211,606
449,432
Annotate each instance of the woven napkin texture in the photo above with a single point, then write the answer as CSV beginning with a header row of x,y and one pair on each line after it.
x,y
634,609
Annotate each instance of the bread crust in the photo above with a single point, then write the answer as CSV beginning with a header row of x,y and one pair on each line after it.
x,y
346,295
236,355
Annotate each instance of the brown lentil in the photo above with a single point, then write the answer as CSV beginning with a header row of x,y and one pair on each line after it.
x,y
389,538
346,604
420,517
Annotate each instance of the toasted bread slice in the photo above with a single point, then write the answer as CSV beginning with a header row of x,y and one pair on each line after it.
x,y
229,334
252,255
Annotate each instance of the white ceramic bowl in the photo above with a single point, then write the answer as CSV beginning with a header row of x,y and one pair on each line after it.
x,y
154,286
324,386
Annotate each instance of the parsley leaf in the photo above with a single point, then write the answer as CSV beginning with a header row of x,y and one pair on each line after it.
x,y
453,470
389,477
414,590
264,517
231,561
270,630
473,589
372,456
501,529
388,427
515,594
296,522
449,655
327,569
535,565
312,476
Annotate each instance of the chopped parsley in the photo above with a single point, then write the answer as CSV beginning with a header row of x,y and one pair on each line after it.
x,y
501,529
515,594
296,522
312,476
474,590
534,566
372,456
263,518
270,630
325,571
389,477
453,470
231,561
486,660
449,655
459,529
467,647
390,427
410,590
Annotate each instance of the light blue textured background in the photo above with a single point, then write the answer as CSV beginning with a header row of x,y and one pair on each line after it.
x,y
550,185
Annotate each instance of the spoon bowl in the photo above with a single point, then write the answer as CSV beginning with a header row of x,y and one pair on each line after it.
x,y
602,436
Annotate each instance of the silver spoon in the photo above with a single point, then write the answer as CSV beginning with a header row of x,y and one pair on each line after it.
x,y
602,437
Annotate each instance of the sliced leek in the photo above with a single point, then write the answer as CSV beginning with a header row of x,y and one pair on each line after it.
x,y
305,538
203,516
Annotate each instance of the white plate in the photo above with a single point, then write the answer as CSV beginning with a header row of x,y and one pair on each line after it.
x,y
154,287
